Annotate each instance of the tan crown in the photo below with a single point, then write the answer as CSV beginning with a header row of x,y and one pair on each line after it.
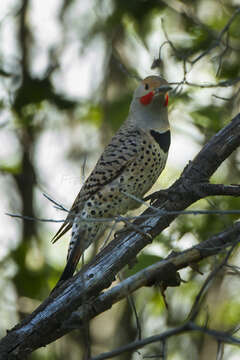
x,y
154,82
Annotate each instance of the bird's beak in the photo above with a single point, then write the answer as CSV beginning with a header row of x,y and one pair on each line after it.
x,y
162,89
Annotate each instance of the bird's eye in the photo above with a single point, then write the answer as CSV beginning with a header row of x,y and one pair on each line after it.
x,y
146,86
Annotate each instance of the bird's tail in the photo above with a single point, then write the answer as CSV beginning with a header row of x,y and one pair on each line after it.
x,y
71,265
74,253
69,269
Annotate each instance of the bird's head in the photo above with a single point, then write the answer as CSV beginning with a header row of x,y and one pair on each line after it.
x,y
150,102
153,89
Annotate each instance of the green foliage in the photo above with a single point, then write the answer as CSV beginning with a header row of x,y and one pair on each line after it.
x,y
201,39
34,91
29,282
228,315
143,260
235,29
92,114
209,119
116,111
11,169
141,14
230,69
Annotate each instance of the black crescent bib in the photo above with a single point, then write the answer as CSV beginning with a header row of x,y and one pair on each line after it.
x,y
163,139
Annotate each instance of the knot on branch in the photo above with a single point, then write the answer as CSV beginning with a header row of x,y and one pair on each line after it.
x,y
170,278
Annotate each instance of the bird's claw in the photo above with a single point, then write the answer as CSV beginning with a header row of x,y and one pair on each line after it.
x,y
157,195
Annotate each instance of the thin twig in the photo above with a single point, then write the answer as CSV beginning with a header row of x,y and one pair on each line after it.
x,y
195,308
129,218
188,327
58,206
131,302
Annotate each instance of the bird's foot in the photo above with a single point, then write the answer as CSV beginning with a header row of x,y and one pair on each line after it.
x,y
164,194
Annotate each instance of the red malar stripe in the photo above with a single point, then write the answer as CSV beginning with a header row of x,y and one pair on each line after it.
x,y
166,100
147,99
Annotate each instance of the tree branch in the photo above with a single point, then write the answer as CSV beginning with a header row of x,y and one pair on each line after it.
x,y
44,325
222,336
190,325
162,271
218,189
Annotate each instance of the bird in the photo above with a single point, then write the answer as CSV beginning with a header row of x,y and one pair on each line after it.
x,y
128,167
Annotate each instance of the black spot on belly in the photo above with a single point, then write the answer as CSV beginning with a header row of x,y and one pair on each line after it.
x,y
163,139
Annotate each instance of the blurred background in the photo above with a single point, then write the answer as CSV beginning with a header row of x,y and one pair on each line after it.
x,y
67,72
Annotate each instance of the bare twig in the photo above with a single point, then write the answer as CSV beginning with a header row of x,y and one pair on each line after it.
x,y
131,302
186,58
219,39
122,67
58,206
188,327
195,308
127,219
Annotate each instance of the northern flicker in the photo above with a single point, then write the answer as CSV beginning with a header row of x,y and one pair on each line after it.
x,y
130,164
